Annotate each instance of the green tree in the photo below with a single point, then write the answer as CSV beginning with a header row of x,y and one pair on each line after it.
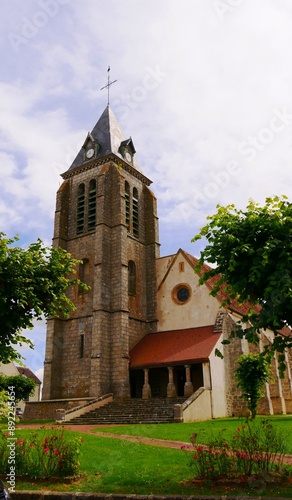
x,y
33,285
23,386
252,373
252,253
4,409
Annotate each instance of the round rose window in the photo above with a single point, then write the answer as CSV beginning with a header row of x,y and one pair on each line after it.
x,y
181,294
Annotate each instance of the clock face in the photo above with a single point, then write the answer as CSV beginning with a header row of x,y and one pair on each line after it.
x,y
90,153
128,156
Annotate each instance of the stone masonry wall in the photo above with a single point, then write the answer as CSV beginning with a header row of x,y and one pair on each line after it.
x,y
278,394
46,410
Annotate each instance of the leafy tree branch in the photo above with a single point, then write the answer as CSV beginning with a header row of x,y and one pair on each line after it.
x,y
33,284
252,255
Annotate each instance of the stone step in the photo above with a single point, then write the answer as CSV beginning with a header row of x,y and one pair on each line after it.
x,y
131,411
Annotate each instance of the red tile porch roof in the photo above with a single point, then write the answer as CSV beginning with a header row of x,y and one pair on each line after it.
x,y
174,347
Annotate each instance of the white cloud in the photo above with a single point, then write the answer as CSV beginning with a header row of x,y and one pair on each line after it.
x,y
192,86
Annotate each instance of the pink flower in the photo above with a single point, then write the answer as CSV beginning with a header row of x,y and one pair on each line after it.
x,y
6,434
195,457
31,444
199,449
46,450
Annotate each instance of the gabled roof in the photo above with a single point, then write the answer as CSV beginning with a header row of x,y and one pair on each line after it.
x,y
174,347
109,136
26,372
234,306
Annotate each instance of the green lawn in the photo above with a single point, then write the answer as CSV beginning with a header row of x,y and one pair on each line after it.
x,y
111,465
182,432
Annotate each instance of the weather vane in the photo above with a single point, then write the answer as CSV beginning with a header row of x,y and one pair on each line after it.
x,y
109,83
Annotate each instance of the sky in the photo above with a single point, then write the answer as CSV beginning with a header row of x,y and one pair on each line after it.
x,y
203,88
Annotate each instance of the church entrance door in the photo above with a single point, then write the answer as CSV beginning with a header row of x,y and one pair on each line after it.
x,y
179,377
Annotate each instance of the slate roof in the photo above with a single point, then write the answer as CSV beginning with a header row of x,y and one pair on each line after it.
x,y
108,134
190,345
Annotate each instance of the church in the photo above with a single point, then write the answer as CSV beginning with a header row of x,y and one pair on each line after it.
x,y
144,329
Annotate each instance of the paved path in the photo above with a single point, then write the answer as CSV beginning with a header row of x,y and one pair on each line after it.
x,y
140,439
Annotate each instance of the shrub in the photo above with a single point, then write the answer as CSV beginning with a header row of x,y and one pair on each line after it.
x,y
252,373
42,454
256,448
259,447
213,460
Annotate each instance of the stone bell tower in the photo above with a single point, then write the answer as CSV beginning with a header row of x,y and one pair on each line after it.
x,y
105,217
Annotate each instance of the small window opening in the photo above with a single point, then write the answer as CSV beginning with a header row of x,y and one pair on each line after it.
x,y
84,274
132,278
81,345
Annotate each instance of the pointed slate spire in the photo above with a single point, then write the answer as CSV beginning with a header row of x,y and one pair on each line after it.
x,y
109,138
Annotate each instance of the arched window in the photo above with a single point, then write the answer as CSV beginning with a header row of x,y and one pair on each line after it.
x,y
135,213
127,201
132,278
80,209
91,205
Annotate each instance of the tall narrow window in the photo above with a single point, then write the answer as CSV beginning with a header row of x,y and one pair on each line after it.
x,y
84,274
132,278
127,200
135,213
81,345
91,205
80,209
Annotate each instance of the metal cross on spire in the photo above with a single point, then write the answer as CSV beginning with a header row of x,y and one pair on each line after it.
x,y
109,83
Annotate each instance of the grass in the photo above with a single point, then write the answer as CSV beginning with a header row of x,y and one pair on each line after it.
x,y
116,466
182,432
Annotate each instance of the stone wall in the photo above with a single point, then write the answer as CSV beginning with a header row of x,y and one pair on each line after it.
x,y
46,410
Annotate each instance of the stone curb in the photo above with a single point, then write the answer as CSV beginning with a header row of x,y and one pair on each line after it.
x,y
55,495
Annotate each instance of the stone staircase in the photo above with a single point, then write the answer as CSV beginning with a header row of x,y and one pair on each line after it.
x,y
131,411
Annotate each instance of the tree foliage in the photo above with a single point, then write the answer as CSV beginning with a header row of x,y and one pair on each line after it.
x,y
252,373
33,284
23,386
252,253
